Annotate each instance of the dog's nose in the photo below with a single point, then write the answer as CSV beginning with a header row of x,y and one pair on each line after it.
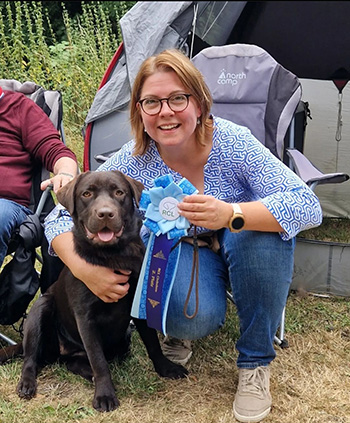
x,y
105,213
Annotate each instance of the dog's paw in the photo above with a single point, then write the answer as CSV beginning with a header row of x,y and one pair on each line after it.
x,y
26,389
168,369
105,403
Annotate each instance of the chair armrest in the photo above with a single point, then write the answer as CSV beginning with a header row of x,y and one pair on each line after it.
x,y
103,157
309,173
43,199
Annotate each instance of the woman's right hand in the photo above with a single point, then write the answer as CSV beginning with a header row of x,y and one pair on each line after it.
x,y
102,281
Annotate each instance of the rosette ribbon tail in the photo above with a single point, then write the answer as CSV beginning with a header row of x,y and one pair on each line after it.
x,y
158,271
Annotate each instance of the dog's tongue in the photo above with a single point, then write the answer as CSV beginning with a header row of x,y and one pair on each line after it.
x,y
106,235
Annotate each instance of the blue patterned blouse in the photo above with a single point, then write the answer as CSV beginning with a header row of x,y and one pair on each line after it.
x,y
239,169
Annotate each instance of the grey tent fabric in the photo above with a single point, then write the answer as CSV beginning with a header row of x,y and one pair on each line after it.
x,y
114,95
146,30
150,27
322,267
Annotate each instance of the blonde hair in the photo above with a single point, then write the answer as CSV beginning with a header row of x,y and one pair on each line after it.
x,y
171,60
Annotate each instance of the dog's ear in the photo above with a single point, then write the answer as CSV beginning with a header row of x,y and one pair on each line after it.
x,y
136,188
65,195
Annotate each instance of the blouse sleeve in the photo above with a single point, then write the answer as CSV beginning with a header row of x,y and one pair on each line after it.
x,y
293,204
57,222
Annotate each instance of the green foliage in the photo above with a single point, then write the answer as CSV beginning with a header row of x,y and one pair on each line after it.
x,y
73,63
331,230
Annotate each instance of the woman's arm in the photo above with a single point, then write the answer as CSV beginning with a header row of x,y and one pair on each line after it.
x,y
255,176
211,213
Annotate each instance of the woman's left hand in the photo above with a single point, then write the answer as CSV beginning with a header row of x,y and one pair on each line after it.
x,y
205,211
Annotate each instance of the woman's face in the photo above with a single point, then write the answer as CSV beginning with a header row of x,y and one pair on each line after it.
x,y
169,128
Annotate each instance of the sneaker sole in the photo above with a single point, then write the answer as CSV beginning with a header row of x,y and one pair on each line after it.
x,y
251,419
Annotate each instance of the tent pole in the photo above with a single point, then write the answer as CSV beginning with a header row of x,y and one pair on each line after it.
x,y
194,23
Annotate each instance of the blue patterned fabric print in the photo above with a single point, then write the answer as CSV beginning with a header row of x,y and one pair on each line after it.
x,y
239,169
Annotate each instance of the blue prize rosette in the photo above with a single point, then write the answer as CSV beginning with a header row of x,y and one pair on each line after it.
x,y
161,259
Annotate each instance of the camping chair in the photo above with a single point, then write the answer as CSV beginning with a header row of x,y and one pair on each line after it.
x,y
251,89
23,246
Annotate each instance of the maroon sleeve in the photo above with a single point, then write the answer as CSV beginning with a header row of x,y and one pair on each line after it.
x,y
39,136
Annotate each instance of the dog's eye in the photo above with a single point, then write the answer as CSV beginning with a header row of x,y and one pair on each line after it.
x,y
87,194
119,192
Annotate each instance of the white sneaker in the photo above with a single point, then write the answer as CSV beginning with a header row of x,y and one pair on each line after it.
x,y
253,400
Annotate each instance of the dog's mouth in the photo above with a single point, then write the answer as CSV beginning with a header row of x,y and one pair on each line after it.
x,y
105,235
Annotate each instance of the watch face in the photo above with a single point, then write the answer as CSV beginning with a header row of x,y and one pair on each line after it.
x,y
237,223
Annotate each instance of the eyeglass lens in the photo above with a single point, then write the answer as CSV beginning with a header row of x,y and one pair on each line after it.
x,y
177,103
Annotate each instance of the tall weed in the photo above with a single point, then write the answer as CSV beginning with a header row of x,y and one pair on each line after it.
x,y
75,66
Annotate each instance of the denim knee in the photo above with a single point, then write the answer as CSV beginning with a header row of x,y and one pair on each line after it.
x,y
12,214
211,295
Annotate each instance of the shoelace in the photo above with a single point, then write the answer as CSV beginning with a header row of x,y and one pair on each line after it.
x,y
254,382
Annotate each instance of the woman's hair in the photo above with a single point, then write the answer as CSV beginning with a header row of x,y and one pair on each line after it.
x,y
171,60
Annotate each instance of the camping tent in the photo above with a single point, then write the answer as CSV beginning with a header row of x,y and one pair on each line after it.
x,y
309,38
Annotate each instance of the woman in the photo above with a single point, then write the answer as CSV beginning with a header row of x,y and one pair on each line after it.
x,y
254,218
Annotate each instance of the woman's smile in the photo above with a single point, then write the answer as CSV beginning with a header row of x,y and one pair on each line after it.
x,y
169,127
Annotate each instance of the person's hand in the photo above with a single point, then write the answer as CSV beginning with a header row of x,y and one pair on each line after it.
x,y
205,211
57,181
104,282
65,169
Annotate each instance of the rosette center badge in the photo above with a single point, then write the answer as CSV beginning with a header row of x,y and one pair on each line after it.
x,y
168,208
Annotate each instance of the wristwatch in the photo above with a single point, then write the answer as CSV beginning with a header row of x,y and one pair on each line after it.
x,y
236,222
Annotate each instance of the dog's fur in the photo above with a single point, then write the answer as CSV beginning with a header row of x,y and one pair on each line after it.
x,y
69,322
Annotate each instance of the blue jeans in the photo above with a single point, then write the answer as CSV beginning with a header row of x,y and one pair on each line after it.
x,y
259,268
11,215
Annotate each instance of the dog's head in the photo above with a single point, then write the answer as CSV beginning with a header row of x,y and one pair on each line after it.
x,y
102,205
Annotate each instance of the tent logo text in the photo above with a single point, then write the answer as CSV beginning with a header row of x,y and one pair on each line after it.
x,y
228,78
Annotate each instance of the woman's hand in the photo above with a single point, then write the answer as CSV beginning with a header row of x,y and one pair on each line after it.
x,y
102,281
211,213
205,211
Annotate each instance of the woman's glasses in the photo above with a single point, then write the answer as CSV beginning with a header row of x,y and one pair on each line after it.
x,y
177,103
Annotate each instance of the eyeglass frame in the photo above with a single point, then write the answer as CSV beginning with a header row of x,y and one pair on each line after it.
x,y
140,102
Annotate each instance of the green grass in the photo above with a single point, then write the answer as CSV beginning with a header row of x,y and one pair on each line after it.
x,y
331,230
64,397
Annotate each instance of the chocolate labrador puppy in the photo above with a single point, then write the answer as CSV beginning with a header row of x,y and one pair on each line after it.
x,y
69,322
